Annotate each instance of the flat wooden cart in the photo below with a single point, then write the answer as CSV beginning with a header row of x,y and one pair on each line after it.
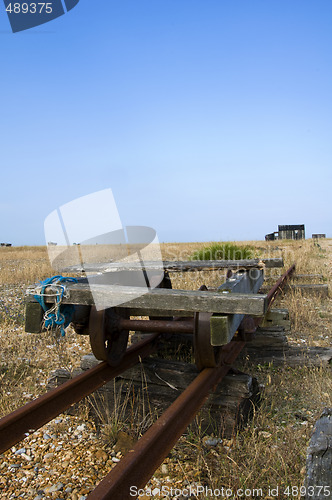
x,y
212,317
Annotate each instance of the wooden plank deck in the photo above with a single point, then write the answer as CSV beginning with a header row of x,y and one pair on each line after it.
x,y
177,266
162,299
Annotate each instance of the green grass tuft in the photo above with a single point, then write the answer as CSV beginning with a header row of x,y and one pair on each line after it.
x,y
224,251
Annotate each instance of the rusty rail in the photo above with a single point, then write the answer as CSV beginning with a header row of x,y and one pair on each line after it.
x,y
30,417
138,465
279,285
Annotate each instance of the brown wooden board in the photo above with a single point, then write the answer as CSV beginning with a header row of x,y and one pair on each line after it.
x,y
177,266
316,289
163,299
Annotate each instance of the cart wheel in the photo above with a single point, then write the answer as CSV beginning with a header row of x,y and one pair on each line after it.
x,y
107,341
206,355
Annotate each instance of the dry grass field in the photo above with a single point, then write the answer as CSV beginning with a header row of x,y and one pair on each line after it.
x,y
68,452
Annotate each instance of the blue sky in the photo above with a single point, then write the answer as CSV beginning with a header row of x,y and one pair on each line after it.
x,y
209,120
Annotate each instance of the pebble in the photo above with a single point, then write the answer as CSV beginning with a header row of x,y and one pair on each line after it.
x,y
164,469
211,441
81,428
20,451
48,457
68,455
101,455
124,443
55,487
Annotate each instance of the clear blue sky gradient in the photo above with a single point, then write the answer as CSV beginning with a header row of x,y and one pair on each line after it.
x,y
210,120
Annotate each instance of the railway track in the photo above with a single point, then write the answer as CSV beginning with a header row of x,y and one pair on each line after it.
x,y
139,464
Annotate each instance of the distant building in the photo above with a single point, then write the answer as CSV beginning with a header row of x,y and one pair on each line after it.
x,y
271,236
289,232
316,236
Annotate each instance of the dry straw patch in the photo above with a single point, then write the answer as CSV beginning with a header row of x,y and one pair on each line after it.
x,y
310,314
23,265
26,361
310,318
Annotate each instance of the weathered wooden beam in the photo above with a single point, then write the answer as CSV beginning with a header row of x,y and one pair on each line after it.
x,y
307,277
147,311
162,299
321,290
276,317
34,314
296,277
157,382
270,345
177,266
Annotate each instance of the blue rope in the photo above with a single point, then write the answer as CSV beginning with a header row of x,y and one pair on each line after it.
x,y
62,314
